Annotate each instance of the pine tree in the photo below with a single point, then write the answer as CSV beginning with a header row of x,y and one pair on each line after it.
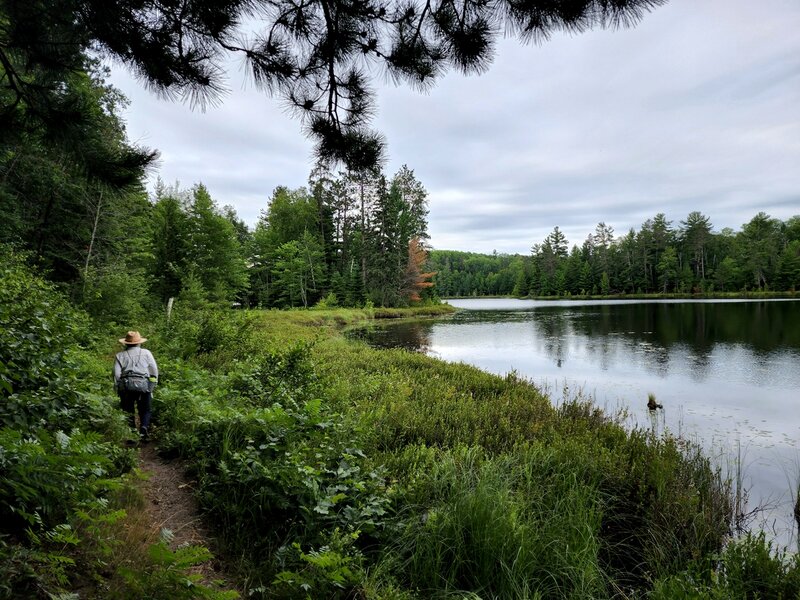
x,y
214,252
311,52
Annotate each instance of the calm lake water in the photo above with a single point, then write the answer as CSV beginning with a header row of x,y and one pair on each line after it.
x,y
727,372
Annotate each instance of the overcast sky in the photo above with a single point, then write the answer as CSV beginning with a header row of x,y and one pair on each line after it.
x,y
697,108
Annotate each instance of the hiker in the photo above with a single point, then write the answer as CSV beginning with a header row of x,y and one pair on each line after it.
x,y
135,377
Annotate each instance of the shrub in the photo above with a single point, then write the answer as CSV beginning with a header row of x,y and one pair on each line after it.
x,y
749,568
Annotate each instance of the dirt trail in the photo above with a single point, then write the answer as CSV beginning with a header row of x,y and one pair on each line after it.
x,y
170,504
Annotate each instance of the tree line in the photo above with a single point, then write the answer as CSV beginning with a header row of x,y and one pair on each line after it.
x,y
89,222
661,257
72,194
346,240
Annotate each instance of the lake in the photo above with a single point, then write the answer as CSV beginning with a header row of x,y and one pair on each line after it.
x,y
726,371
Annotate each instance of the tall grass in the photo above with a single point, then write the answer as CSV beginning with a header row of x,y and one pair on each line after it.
x,y
499,527
345,471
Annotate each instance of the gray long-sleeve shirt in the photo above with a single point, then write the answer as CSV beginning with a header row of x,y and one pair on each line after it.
x,y
136,359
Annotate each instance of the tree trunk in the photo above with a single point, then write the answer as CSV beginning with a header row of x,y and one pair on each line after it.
x,y
91,243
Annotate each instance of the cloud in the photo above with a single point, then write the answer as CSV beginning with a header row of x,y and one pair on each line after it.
x,y
694,109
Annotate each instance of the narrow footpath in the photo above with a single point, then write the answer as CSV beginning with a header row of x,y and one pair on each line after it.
x,y
170,504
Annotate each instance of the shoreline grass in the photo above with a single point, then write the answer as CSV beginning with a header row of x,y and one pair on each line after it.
x,y
411,477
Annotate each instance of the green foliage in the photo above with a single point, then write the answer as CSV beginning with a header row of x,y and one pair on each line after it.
x,y
298,271
69,181
201,331
329,301
332,571
276,464
48,476
195,248
56,477
40,569
168,262
407,398
115,294
348,237
468,274
748,568
658,258
34,321
167,576
280,376
213,250
517,525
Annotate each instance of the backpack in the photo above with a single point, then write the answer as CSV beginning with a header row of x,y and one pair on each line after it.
x,y
131,380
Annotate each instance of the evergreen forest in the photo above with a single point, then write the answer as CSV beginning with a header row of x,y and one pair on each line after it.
x,y
662,257
75,199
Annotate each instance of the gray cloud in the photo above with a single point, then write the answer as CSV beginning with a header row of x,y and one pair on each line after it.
x,y
697,108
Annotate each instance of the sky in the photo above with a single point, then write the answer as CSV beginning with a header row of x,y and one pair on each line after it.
x,y
697,108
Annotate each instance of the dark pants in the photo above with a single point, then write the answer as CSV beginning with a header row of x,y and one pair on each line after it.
x,y
142,401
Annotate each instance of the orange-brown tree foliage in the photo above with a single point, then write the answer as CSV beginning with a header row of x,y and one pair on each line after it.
x,y
416,279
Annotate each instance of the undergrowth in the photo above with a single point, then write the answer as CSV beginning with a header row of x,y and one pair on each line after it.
x,y
334,470
64,471
329,469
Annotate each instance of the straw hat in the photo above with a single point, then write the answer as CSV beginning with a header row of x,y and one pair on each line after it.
x,y
132,338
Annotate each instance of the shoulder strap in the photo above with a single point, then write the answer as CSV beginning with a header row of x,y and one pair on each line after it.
x,y
128,367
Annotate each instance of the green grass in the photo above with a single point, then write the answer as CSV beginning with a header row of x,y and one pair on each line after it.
x,y
345,470
517,525
333,470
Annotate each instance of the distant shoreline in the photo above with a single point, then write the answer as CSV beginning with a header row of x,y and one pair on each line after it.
x,y
708,296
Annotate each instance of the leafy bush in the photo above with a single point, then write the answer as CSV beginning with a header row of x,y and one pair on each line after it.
x,y
116,293
280,377
749,568
276,465
38,327
329,301
48,476
210,336
168,576
332,571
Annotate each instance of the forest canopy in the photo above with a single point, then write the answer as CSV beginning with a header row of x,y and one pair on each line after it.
x,y
661,257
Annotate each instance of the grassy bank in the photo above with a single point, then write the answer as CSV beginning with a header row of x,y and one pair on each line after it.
x,y
329,469
335,470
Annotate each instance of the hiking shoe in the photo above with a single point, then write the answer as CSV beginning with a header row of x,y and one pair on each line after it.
x,y
143,434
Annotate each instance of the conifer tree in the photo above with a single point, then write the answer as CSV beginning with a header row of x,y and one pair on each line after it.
x,y
416,279
318,55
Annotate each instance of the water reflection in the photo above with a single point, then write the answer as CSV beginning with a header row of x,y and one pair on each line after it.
x,y
728,373
687,336
411,335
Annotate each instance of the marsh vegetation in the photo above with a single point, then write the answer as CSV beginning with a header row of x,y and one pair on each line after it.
x,y
331,469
